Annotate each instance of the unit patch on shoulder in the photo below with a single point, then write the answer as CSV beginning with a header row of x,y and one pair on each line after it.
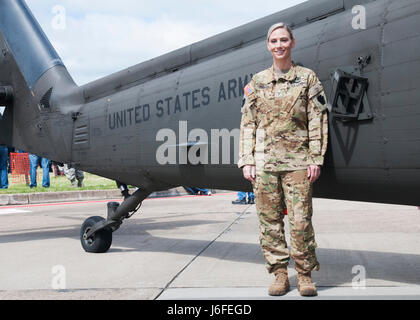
x,y
248,90
320,102
321,99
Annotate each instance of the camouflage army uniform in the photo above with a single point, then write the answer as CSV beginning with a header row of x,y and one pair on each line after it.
x,y
74,174
284,129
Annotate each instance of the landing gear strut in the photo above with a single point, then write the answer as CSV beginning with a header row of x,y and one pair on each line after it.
x,y
96,232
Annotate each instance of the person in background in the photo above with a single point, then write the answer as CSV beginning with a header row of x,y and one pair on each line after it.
x,y
74,174
4,157
34,161
198,191
242,198
57,169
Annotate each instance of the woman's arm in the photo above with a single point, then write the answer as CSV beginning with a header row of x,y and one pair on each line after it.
x,y
248,128
317,127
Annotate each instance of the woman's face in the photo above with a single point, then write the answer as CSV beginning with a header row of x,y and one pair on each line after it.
x,y
280,44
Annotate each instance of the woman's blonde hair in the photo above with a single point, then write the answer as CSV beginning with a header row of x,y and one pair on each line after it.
x,y
280,25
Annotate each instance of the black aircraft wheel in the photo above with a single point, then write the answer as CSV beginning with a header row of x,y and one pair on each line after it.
x,y
100,242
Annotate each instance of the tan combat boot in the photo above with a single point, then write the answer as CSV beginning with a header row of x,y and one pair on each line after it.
x,y
281,284
305,286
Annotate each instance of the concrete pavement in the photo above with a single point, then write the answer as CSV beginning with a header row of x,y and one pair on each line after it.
x,y
204,248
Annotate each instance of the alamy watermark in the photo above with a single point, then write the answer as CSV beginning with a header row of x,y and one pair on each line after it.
x,y
197,146
359,280
58,281
359,19
58,21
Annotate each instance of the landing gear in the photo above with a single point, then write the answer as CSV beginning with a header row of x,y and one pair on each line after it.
x,y
99,242
96,232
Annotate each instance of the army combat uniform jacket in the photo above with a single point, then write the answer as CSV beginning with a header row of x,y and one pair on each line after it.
x,y
284,123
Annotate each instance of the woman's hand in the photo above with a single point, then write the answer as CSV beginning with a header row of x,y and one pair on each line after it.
x,y
249,172
314,172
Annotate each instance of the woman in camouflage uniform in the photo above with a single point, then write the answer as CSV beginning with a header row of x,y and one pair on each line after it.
x,y
284,133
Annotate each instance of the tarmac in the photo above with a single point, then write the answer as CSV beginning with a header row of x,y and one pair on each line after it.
x,y
202,248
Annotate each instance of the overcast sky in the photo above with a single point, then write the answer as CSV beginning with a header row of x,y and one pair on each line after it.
x,y
95,38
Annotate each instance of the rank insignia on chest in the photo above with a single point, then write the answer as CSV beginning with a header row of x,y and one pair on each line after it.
x,y
297,83
279,94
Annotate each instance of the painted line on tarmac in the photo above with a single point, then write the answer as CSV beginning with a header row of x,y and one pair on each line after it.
x,y
12,211
168,285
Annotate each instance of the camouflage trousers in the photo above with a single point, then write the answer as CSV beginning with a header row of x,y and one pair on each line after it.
x,y
72,173
274,191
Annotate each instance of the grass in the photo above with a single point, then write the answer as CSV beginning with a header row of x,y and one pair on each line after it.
x,y
60,183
